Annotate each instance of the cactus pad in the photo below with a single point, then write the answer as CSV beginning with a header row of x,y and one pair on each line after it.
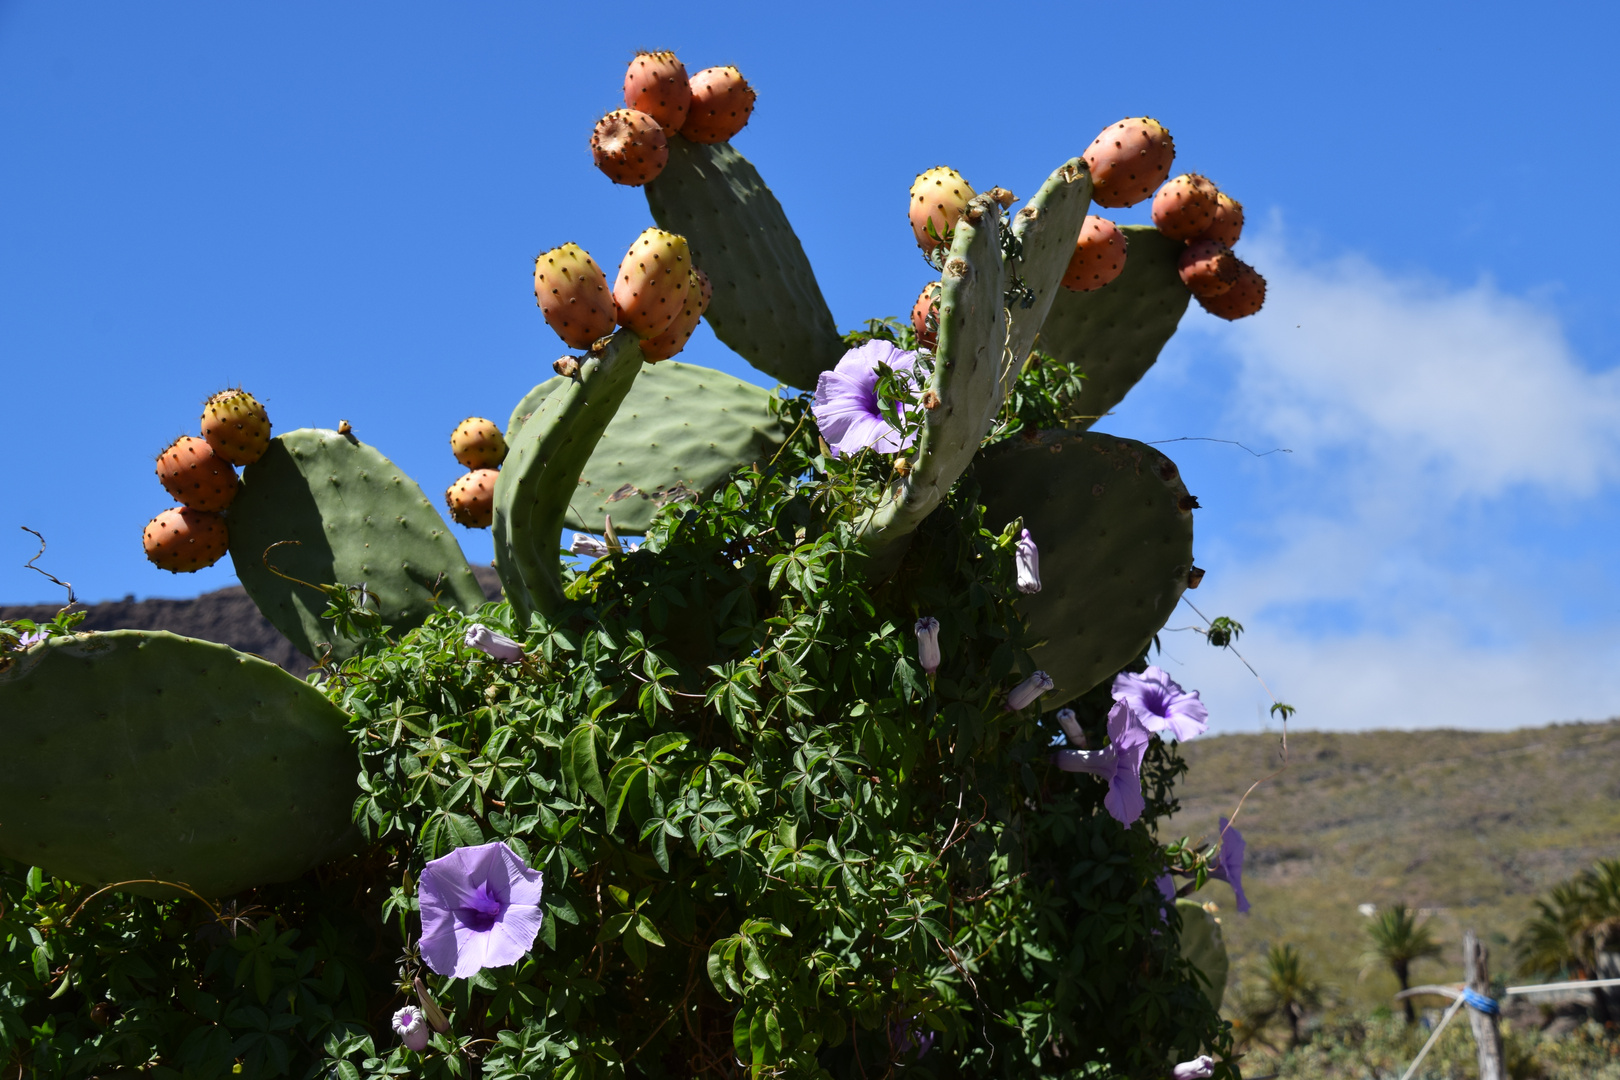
x,y
681,430
1203,946
1115,334
767,306
1113,522
134,754
358,519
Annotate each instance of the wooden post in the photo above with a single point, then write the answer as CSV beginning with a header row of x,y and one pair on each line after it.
x,y
1487,1031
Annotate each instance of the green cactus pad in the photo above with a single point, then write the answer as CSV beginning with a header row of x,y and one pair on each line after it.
x,y
1202,945
1047,229
1113,523
767,305
358,519
1113,335
682,429
138,754
541,475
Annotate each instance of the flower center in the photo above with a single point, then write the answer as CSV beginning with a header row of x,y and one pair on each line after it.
x,y
1154,700
480,911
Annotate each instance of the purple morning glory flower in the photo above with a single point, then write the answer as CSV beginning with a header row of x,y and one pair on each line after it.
x,y
1229,863
1027,562
480,909
846,403
412,1027
1199,1068
907,1036
1119,763
1161,703
1020,696
28,640
928,643
499,646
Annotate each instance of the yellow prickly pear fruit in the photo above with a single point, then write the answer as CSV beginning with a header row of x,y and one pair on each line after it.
x,y
1128,160
573,295
472,499
236,426
674,339
650,290
1099,255
938,198
1185,207
478,443
182,540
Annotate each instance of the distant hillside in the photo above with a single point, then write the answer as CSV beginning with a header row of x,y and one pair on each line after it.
x,y
1473,825
225,615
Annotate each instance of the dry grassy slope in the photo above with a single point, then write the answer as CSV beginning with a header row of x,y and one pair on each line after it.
x,y
1474,824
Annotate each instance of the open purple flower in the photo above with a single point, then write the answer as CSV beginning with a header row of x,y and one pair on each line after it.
x,y
499,646
1161,703
480,909
412,1027
1119,763
846,403
1027,563
1229,863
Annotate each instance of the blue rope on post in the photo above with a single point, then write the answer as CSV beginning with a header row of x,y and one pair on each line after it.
x,y
1487,1005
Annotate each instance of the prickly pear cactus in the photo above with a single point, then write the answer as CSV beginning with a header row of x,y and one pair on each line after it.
x,y
1203,947
681,430
1113,522
341,513
142,757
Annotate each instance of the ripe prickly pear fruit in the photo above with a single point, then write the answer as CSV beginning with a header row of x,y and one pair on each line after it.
x,y
1128,160
629,147
196,476
1228,224
650,290
656,84
1208,268
722,102
1099,255
938,198
674,339
182,540
705,289
236,426
478,443
1246,296
1184,209
925,315
573,295
472,499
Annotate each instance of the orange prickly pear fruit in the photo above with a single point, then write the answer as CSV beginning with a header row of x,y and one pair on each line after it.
x,y
674,339
478,443
629,147
1184,209
722,102
1208,268
650,290
938,198
1246,296
924,317
1228,224
656,84
472,499
236,426
1099,255
1128,160
196,476
573,295
182,540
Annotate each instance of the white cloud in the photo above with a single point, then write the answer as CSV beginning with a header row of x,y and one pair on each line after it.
x,y
1386,568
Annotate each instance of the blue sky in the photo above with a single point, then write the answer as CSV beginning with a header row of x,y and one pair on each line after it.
x,y
338,205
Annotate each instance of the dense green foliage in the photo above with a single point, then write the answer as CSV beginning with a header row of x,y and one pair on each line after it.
x,y
769,840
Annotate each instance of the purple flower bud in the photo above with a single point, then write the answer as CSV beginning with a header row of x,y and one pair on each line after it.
x,y
430,1008
585,544
928,643
412,1027
1199,1068
1022,695
1028,560
1071,728
499,646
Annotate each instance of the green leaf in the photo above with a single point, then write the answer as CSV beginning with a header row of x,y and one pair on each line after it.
x,y
646,929
579,762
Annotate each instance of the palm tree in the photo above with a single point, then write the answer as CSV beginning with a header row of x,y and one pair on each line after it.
x,y
1398,940
1287,988
1577,922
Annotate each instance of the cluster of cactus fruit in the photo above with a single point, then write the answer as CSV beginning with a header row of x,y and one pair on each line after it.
x,y
332,541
